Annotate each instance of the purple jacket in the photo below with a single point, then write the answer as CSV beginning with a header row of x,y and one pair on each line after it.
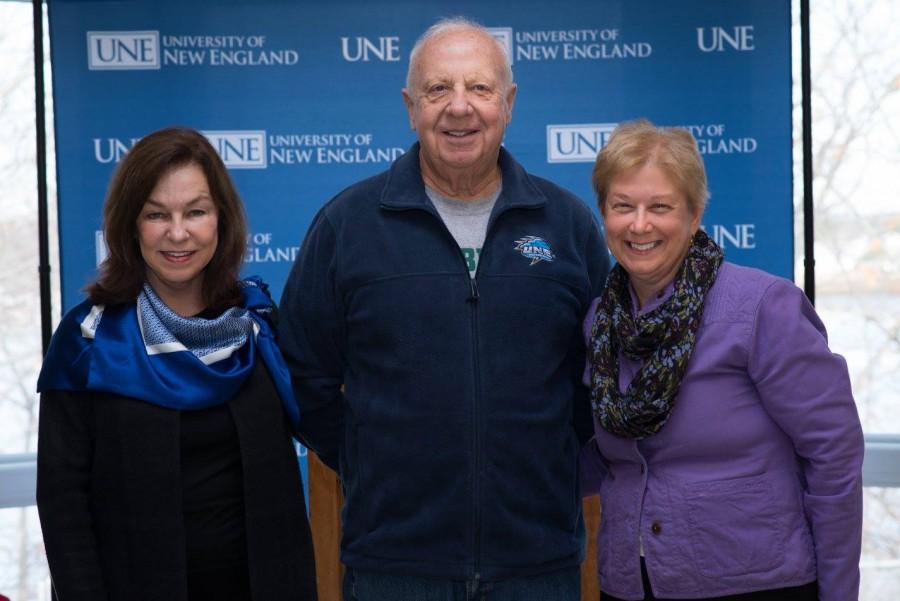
x,y
755,482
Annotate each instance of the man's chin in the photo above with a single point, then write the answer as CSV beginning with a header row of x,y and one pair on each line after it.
x,y
456,159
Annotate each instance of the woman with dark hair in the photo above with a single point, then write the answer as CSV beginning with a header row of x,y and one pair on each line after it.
x,y
166,470
728,450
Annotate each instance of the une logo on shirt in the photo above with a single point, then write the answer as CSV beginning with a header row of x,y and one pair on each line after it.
x,y
535,248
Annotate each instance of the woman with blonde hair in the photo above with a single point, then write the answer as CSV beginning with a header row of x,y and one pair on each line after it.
x,y
728,449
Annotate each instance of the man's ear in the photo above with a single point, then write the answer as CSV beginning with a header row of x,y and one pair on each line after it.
x,y
408,101
510,100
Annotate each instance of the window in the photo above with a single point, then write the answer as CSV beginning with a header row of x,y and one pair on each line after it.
x,y
855,64
856,139
23,566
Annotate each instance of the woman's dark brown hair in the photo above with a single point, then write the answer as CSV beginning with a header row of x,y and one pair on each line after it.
x,y
123,273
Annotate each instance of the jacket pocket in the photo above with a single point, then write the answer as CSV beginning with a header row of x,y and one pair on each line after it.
x,y
736,528
413,495
616,549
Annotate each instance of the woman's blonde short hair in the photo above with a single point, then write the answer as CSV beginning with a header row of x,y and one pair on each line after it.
x,y
640,142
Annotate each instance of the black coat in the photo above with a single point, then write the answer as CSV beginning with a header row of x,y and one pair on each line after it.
x,y
109,497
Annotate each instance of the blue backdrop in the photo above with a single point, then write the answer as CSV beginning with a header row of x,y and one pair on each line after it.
x,y
303,98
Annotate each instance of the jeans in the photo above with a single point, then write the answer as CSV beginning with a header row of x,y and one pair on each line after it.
x,y
564,585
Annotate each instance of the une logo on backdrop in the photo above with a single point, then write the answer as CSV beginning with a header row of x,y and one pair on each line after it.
x,y
123,50
239,149
387,48
577,143
504,35
720,39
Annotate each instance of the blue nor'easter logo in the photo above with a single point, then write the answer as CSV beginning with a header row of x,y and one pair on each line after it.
x,y
534,248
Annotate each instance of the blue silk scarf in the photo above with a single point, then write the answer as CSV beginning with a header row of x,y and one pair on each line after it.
x,y
147,351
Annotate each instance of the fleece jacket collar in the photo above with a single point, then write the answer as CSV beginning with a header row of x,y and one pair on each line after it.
x,y
405,188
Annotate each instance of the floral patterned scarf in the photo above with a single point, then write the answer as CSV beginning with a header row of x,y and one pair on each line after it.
x,y
663,339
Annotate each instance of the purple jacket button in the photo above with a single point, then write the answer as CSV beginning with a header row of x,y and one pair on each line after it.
x,y
655,528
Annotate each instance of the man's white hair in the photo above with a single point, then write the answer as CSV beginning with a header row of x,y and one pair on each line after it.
x,y
451,25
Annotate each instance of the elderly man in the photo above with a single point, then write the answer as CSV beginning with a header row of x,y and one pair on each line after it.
x,y
432,327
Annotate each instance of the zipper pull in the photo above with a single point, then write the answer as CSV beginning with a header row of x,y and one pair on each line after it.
x,y
473,288
475,585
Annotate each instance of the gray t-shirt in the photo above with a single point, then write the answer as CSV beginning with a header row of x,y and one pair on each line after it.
x,y
467,220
